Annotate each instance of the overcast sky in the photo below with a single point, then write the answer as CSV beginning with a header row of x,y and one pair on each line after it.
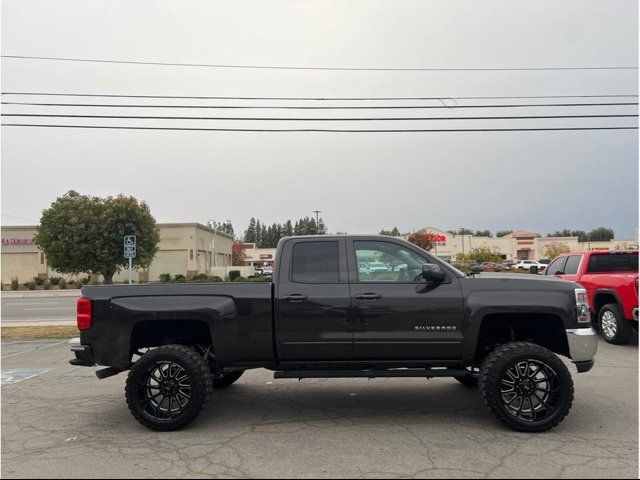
x,y
362,182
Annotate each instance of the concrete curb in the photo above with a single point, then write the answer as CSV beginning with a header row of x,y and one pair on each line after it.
x,y
47,323
42,293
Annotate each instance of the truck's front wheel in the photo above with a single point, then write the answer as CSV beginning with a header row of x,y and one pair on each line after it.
x,y
526,386
167,387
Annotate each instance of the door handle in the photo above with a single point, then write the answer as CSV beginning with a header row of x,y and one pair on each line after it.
x,y
368,296
295,297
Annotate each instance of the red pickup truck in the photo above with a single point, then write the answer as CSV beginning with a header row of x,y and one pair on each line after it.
x,y
611,281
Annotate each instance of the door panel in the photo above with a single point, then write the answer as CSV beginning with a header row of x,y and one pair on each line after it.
x,y
408,322
313,304
397,315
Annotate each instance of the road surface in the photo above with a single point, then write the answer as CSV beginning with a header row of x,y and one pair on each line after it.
x,y
60,421
38,311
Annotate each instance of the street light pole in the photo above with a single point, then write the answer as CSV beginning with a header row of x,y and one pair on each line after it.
x,y
317,212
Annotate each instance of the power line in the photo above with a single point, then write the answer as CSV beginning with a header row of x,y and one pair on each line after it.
x,y
327,130
222,97
306,107
317,119
283,67
20,218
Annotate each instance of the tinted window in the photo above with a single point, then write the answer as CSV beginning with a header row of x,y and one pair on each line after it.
x,y
573,262
556,267
315,262
614,262
388,262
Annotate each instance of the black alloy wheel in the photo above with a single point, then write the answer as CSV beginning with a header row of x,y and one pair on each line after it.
x,y
168,387
526,386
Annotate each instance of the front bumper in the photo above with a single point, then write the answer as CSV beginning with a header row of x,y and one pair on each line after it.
x,y
583,344
84,354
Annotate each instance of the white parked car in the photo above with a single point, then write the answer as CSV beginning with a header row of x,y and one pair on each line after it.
x,y
379,267
527,264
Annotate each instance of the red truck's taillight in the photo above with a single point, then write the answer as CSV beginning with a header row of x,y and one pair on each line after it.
x,y
83,309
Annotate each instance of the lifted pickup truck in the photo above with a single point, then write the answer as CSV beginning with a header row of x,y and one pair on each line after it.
x,y
611,281
324,317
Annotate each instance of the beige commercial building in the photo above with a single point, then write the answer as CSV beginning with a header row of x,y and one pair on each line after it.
x,y
185,248
519,245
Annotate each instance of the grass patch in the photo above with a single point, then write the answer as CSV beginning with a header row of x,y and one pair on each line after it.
x,y
53,332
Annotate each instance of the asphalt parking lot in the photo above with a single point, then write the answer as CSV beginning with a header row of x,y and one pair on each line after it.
x,y
60,421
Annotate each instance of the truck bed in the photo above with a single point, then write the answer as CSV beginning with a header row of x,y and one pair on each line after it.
x,y
239,317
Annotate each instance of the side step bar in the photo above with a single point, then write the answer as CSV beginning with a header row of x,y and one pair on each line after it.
x,y
399,373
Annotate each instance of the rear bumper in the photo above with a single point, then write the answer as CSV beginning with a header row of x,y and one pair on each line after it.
x,y
583,344
83,353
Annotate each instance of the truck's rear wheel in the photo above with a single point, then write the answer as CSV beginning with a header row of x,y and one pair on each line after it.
x,y
526,387
223,380
613,327
167,387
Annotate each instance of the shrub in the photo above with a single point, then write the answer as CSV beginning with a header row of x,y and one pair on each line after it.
x,y
179,278
31,285
85,280
47,285
239,278
201,277
79,285
14,284
55,280
165,277
233,274
215,278
259,278
39,281
62,284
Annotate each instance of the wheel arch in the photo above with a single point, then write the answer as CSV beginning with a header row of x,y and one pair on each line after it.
x,y
603,297
545,329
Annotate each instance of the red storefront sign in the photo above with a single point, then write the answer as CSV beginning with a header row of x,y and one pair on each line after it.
x,y
18,241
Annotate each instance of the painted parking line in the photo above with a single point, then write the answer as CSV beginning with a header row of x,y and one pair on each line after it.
x,y
35,349
16,375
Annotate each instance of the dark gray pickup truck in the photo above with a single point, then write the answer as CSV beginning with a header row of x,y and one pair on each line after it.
x,y
347,307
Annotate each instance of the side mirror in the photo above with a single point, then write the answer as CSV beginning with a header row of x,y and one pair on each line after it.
x,y
533,270
433,273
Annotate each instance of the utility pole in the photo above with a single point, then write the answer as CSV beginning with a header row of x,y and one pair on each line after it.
x,y
317,212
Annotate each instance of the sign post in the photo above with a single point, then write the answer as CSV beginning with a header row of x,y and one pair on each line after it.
x,y
130,251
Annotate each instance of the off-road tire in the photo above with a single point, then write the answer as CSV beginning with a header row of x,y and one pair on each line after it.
x,y
510,355
623,327
201,385
226,379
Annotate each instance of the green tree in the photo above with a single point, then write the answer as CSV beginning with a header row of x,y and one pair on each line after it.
x,y
502,233
581,234
83,234
391,233
250,232
461,231
483,233
555,249
601,234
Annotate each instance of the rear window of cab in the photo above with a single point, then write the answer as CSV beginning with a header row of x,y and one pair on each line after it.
x,y
613,262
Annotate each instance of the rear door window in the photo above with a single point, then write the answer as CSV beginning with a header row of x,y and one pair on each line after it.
x,y
316,262
573,262
614,262
556,267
